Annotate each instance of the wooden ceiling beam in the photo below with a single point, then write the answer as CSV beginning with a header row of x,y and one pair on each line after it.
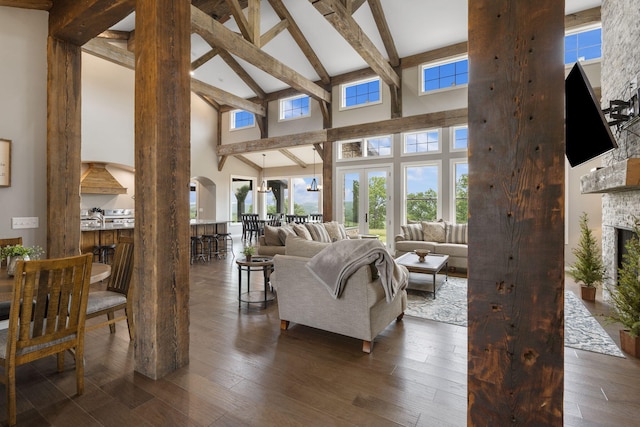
x,y
242,73
301,40
103,49
343,22
385,32
254,22
114,35
584,17
266,144
241,20
28,4
248,162
274,31
217,34
226,98
78,22
204,58
295,159
320,150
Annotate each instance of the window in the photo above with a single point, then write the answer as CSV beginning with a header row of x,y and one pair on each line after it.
x,y
445,75
583,46
427,141
364,92
242,119
379,146
241,197
421,190
294,107
459,138
461,190
193,208
305,202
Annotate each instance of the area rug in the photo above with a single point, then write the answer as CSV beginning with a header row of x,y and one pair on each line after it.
x,y
581,329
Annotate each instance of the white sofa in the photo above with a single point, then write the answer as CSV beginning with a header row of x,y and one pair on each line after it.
x,y
361,311
439,237
273,240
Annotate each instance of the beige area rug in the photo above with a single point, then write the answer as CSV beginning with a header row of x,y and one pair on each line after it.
x,y
582,330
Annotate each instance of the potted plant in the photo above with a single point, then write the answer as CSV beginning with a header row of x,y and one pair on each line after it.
x,y
625,297
248,251
17,252
588,270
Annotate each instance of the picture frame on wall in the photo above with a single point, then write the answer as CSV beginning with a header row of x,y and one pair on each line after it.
x,y
5,163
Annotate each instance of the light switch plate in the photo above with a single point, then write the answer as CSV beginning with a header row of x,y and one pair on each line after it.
x,y
25,222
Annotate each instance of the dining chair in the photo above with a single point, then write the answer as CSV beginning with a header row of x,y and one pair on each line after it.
x,y
9,241
119,292
48,311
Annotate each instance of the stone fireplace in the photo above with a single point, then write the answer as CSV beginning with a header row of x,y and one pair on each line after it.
x,y
619,178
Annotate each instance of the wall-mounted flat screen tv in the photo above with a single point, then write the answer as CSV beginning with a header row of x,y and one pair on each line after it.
x,y
587,133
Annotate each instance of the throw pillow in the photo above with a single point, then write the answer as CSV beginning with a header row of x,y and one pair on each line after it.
x,y
433,231
318,232
271,236
283,232
413,232
457,233
336,231
298,246
301,231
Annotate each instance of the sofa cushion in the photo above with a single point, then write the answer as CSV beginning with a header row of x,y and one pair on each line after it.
x,y
299,246
452,249
284,231
336,231
318,232
456,233
411,245
301,231
433,231
271,236
413,231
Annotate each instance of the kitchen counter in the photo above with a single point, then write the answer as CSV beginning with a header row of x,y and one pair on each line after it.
x,y
113,226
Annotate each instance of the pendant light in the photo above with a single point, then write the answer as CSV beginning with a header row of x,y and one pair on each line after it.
x,y
263,187
314,184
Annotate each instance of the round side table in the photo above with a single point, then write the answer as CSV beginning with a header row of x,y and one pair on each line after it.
x,y
264,264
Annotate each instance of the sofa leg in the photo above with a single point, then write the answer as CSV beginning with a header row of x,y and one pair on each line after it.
x,y
367,346
284,325
399,318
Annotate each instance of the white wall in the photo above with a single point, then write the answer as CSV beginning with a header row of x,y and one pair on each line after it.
x,y
23,119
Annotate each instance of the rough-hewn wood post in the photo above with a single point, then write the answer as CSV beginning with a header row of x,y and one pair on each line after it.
x,y
63,148
516,172
162,161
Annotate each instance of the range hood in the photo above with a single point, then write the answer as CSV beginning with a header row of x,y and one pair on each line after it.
x,y
97,180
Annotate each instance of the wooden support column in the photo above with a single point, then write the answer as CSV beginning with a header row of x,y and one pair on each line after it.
x,y
63,148
162,160
327,181
516,213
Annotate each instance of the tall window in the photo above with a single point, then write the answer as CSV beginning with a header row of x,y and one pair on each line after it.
x,y
193,206
445,75
305,202
427,141
364,92
294,107
583,46
460,136
461,191
241,197
421,190
242,119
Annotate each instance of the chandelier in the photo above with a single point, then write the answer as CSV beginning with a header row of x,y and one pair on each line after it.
x,y
263,187
314,184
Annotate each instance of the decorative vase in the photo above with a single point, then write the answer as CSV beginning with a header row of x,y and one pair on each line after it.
x,y
248,258
629,344
588,293
12,261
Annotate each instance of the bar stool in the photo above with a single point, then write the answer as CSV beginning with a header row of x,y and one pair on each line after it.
x,y
104,253
197,249
211,245
224,244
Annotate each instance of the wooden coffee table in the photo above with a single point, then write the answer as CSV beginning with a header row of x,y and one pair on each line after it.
x,y
432,264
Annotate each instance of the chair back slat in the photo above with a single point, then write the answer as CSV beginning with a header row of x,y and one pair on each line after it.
x,y
122,267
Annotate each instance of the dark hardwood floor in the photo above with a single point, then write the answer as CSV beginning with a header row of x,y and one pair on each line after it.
x,y
244,371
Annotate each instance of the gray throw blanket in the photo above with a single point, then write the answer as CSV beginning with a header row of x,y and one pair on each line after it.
x,y
337,262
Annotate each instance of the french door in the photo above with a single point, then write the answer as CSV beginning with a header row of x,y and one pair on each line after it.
x,y
364,200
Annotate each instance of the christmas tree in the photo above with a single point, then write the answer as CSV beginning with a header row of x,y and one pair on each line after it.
x,y
588,268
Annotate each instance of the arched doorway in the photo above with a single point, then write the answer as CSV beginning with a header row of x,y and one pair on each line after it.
x,y
202,198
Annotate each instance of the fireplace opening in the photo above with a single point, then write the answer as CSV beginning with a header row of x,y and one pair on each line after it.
x,y
623,235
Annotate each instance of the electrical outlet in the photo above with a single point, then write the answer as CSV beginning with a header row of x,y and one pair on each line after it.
x,y
25,222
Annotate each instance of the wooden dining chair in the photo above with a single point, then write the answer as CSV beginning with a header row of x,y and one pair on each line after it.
x,y
48,312
118,295
10,241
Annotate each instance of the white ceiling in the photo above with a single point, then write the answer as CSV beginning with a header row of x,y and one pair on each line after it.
x,y
416,26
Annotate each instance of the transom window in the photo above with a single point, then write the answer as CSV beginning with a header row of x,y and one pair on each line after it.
x,y
242,119
427,141
445,75
294,107
583,46
379,146
460,136
363,92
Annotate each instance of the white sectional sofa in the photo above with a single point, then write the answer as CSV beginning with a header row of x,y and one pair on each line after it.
x,y
439,237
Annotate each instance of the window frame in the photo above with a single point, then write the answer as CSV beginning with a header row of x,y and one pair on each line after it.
x,y
428,163
232,120
452,183
406,153
365,149
452,137
439,63
345,86
292,98
584,29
